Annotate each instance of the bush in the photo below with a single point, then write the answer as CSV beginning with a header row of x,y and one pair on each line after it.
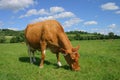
x,y
13,40
2,39
19,38
111,35
78,37
71,38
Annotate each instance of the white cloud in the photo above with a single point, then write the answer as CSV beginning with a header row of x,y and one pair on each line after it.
x,y
106,29
72,21
56,9
117,12
56,16
43,12
29,13
100,30
88,23
51,11
35,12
15,5
109,6
64,15
42,19
112,26
12,28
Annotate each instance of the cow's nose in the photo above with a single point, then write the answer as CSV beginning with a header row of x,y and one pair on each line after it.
x,y
77,69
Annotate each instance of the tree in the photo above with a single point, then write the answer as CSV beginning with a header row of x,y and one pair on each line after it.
x,y
13,40
19,38
77,36
2,39
111,35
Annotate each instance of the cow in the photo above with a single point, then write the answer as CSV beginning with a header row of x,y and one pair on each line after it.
x,y
50,34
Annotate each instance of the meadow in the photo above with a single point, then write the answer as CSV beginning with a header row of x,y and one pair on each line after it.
x,y
99,60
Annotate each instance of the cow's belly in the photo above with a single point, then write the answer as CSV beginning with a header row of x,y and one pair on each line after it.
x,y
35,45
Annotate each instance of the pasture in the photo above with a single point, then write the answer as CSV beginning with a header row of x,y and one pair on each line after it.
x,y
99,60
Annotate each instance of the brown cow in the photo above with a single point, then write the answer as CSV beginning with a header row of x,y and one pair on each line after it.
x,y
50,34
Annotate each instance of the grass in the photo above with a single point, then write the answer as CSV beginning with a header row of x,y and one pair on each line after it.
x,y
99,60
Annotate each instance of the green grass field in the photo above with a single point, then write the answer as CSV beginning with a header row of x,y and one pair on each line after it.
x,y
99,60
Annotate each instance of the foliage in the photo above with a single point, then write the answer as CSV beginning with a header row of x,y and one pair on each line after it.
x,y
74,32
77,36
9,32
111,35
80,35
2,39
18,38
14,40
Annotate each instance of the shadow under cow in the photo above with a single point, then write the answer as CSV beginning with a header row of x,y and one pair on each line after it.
x,y
27,60
37,63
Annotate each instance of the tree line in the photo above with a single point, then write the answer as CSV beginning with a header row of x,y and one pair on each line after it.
x,y
81,35
18,36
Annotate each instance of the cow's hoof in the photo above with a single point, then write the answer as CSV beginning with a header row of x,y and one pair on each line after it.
x,y
59,64
31,63
41,66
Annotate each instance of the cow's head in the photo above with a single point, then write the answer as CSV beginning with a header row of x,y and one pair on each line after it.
x,y
72,58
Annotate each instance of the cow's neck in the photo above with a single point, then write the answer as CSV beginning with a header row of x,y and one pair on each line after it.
x,y
65,42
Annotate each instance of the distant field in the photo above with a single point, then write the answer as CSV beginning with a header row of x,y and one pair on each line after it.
x,y
8,38
99,60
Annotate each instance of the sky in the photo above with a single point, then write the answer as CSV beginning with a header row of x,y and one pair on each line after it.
x,y
101,16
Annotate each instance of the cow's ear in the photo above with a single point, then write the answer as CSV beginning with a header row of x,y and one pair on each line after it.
x,y
63,50
76,49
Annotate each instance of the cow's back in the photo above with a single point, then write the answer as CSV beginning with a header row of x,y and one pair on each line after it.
x,y
48,31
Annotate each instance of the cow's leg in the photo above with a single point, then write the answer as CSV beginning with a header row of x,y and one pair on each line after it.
x,y
33,55
43,48
30,54
58,59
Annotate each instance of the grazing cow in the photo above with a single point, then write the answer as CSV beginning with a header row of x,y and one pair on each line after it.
x,y
50,34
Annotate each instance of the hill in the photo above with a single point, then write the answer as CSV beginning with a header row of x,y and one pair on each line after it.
x,y
12,36
8,32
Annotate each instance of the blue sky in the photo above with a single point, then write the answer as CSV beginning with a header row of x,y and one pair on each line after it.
x,y
102,16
